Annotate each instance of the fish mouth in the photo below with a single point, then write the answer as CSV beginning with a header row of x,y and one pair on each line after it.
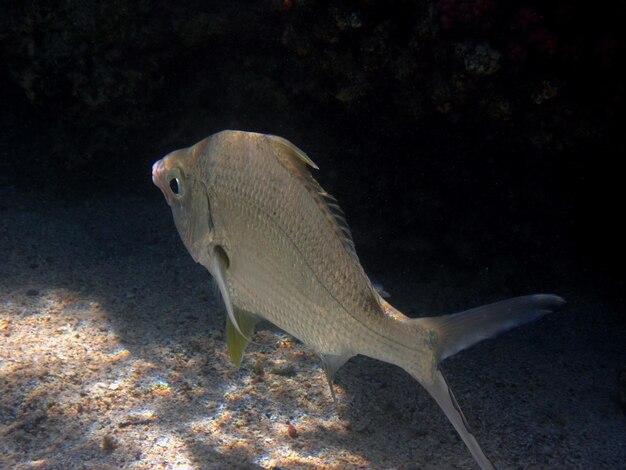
x,y
158,178
157,173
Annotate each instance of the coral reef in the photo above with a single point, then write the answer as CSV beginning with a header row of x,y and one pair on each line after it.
x,y
108,88
101,73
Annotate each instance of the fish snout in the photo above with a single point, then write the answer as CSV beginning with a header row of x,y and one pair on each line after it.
x,y
158,178
157,173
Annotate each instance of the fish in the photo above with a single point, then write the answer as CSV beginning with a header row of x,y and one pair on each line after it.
x,y
278,247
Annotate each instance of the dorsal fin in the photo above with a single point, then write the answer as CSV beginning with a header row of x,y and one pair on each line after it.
x,y
291,150
296,161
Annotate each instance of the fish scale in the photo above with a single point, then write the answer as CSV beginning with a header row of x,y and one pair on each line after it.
x,y
278,247
323,251
290,284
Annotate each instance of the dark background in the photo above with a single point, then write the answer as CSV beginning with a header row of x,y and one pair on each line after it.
x,y
479,137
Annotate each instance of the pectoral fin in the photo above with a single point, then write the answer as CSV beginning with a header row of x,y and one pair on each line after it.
x,y
218,267
235,340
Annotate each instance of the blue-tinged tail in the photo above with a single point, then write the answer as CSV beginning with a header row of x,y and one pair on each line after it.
x,y
458,331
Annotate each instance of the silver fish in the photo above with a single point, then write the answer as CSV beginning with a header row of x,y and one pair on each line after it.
x,y
278,247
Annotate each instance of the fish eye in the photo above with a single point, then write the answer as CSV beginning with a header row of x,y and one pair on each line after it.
x,y
176,183
175,186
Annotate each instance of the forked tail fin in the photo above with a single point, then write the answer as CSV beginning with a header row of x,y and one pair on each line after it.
x,y
458,331
444,397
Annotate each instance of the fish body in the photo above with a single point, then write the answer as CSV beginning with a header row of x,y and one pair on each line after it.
x,y
278,246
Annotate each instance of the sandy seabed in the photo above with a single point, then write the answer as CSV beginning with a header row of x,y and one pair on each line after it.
x,y
112,355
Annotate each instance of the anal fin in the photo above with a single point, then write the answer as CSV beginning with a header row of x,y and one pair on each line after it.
x,y
332,363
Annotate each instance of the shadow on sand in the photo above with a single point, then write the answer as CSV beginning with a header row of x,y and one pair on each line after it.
x,y
81,281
